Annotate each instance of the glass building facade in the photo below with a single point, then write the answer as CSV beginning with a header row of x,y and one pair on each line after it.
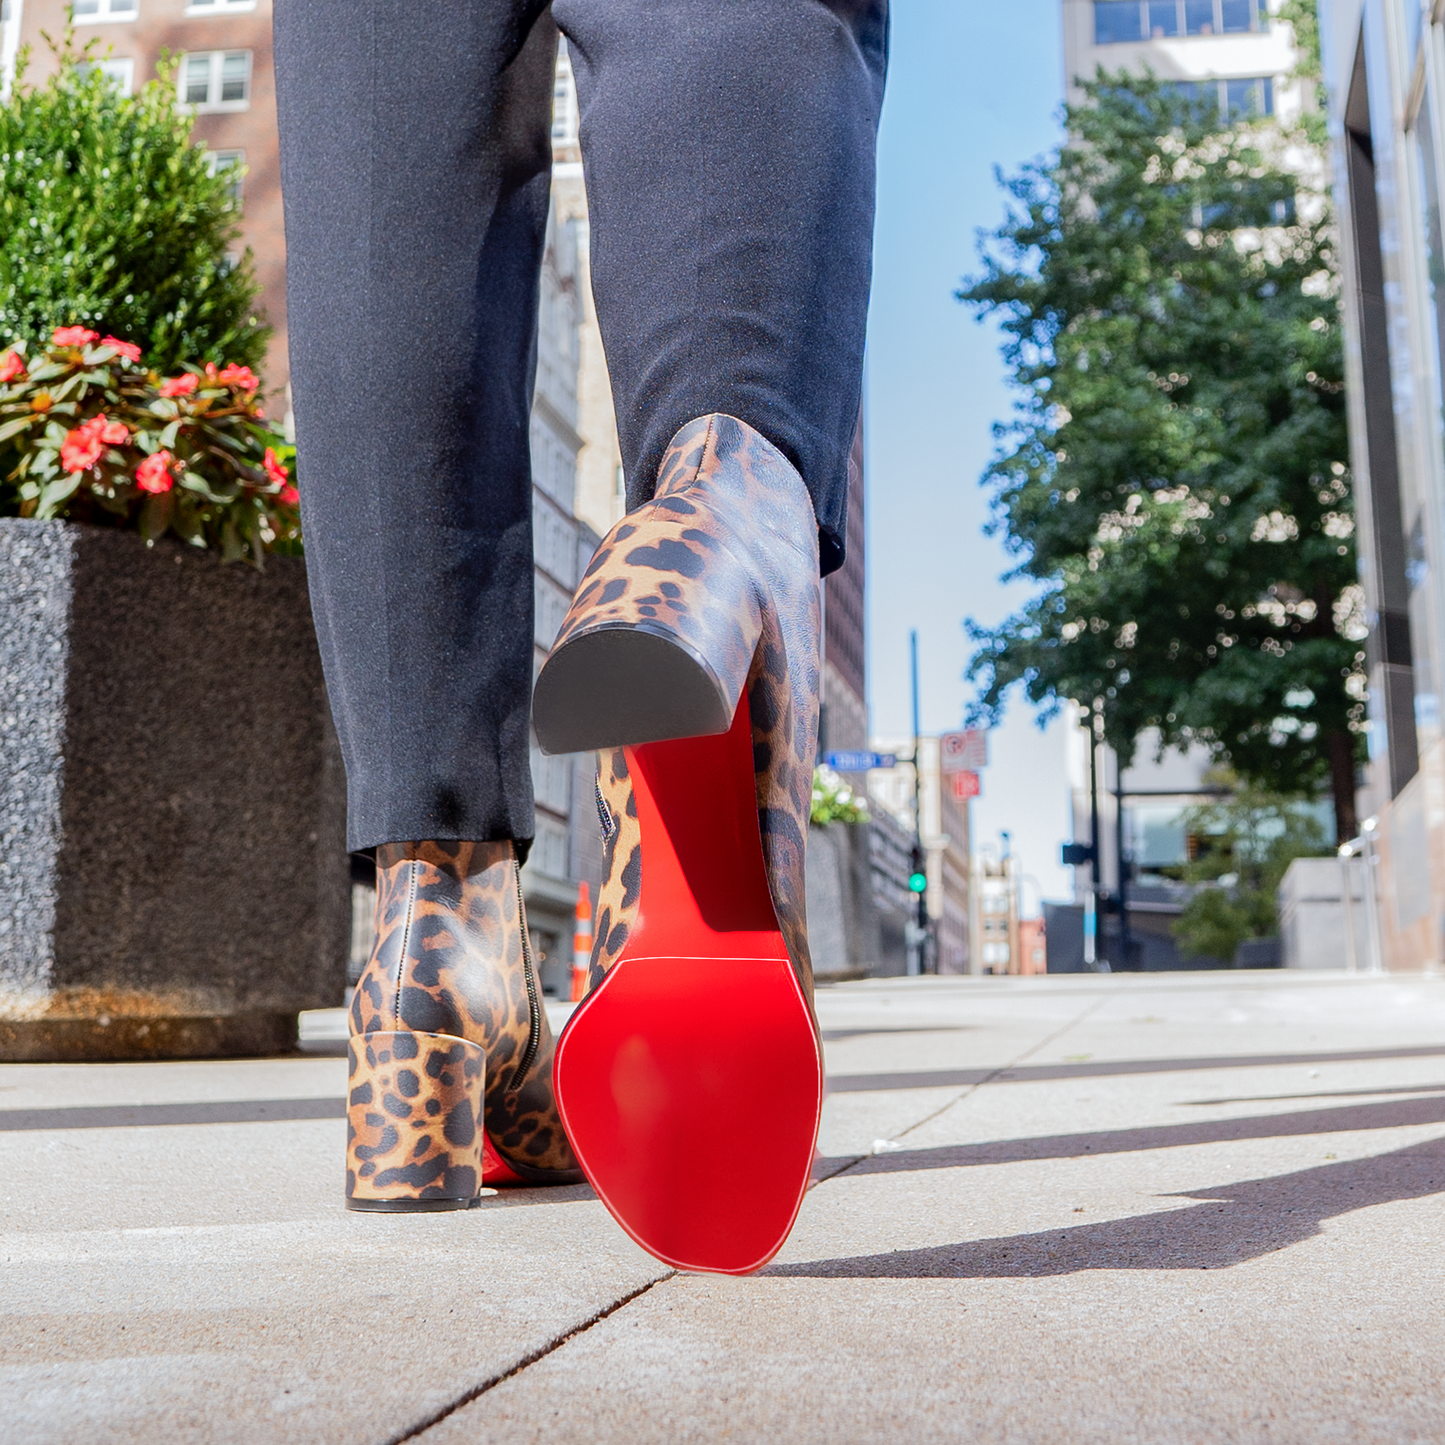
x,y
1384,66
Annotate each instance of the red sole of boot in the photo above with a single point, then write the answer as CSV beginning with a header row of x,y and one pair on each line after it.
x,y
690,1080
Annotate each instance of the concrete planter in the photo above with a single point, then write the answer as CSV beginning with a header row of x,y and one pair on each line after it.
x,y
173,874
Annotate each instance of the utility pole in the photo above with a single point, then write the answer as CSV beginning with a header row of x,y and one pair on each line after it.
x,y
1091,904
1126,948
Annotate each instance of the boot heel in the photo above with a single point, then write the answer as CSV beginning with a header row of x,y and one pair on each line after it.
x,y
414,1122
661,635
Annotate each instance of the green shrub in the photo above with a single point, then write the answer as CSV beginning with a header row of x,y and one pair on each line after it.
x,y
1248,840
110,218
87,433
834,801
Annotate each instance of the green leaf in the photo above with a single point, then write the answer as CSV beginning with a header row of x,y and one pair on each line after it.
x,y
56,494
155,515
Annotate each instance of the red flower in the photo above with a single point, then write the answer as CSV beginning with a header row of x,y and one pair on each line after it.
x,y
74,336
180,385
154,474
241,377
274,469
127,349
82,447
11,366
288,495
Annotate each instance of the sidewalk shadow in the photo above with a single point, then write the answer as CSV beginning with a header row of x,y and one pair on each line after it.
x,y
1234,1224
1390,1114
1117,1068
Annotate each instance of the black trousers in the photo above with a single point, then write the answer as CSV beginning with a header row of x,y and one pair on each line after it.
x,y
728,147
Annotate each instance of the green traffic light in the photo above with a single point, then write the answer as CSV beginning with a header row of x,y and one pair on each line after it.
x,y
917,882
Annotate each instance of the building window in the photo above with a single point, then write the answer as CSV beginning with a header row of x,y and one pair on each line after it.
x,y
1236,99
217,7
232,166
1244,98
120,73
1121,20
564,100
217,79
98,12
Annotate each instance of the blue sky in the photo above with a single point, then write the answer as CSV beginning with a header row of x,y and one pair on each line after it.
x,y
971,86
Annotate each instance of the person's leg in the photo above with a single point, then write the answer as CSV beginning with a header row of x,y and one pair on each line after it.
x,y
729,150
416,160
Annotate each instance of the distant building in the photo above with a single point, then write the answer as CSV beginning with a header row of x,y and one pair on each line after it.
x,y
843,722
600,491
946,844
1033,953
1157,797
568,846
994,917
1234,50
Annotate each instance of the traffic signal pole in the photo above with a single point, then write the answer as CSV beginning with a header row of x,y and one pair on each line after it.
x,y
919,868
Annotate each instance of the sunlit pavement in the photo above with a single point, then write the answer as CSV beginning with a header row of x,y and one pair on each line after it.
x,y
1162,1208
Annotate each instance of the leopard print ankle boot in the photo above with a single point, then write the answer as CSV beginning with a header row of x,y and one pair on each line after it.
x,y
690,660
450,1060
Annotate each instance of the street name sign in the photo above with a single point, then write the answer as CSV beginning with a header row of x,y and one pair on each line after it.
x,y
858,762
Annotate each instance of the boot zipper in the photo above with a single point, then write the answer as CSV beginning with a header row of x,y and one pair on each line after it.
x,y
604,813
529,973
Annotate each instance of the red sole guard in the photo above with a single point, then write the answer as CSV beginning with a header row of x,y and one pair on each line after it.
x,y
698,1048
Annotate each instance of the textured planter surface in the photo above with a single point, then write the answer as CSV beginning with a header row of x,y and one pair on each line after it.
x,y
173,875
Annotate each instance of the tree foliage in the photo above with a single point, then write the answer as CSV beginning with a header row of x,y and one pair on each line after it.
x,y
110,218
1175,474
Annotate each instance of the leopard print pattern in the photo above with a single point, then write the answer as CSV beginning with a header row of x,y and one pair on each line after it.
x,y
621,889
673,566
754,506
414,1117
452,957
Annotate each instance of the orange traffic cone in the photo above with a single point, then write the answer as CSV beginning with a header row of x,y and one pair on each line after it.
x,y
581,943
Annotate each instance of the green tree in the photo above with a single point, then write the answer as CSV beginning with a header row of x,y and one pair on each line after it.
x,y
1175,474
1249,839
111,218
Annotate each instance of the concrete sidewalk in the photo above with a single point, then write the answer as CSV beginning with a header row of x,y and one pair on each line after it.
x,y
1154,1208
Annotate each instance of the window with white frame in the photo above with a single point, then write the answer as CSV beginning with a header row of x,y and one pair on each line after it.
x,y
1120,20
217,7
216,79
98,12
1239,99
120,73
231,165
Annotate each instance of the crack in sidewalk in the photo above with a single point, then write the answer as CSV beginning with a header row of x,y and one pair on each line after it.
x,y
541,1353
